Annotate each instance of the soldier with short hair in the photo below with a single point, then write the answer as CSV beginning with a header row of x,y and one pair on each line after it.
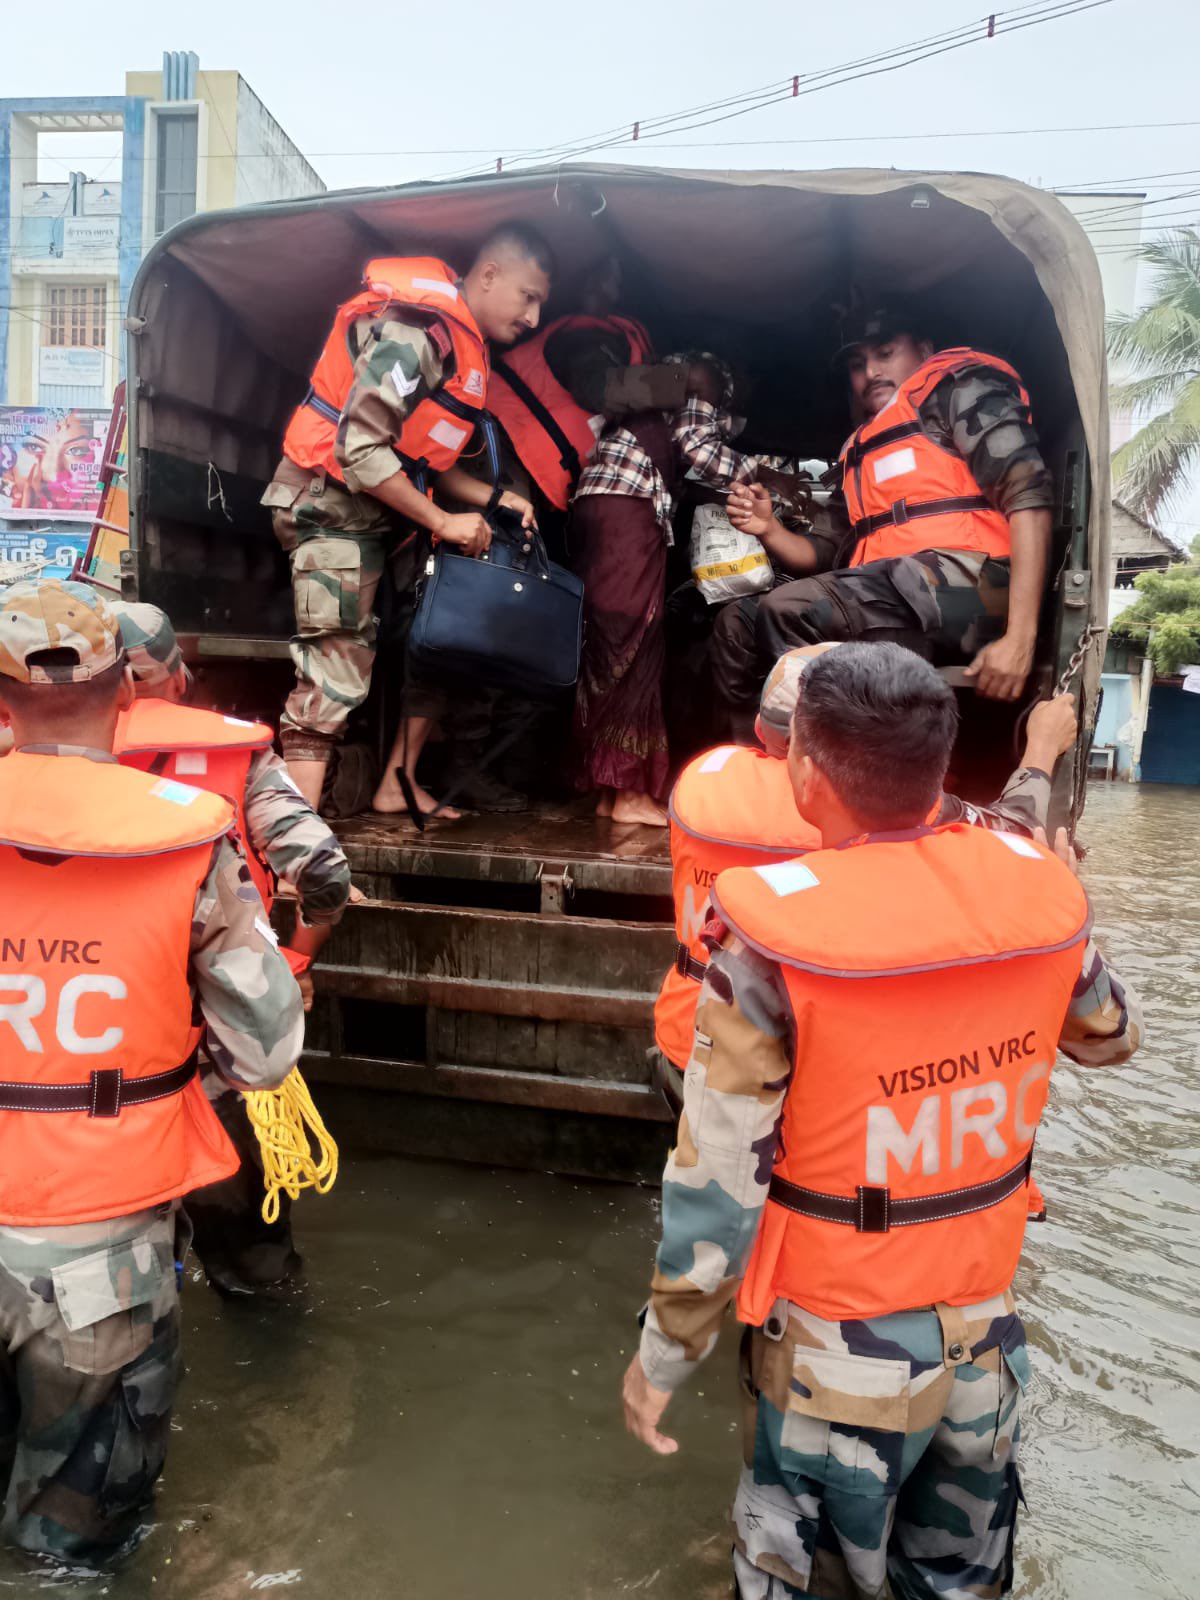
x,y
949,505
397,393
129,926
873,1047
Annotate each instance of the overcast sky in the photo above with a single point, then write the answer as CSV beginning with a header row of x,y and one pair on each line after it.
x,y
388,92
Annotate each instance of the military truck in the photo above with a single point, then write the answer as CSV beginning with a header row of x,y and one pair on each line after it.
x,y
492,998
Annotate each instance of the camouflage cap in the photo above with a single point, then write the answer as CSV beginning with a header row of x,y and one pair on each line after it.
x,y
873,323
39,614
780,696
151,645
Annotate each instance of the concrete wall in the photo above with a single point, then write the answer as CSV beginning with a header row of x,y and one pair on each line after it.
x,y
269,165
243,155
1114,726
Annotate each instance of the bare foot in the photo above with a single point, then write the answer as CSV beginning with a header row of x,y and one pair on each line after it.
x,y
632,806
389,799
604,806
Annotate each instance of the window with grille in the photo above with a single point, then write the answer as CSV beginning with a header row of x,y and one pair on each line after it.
x,y
175,172
75,314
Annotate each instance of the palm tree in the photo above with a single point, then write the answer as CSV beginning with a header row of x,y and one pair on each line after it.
x,y
1160,347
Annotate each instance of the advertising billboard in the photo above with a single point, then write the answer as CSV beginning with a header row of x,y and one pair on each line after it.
x,y
50,461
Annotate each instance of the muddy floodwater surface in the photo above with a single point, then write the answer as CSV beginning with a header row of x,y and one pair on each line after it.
x,y
440,1416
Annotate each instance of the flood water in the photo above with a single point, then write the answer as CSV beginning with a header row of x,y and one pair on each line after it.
x,y
441,1417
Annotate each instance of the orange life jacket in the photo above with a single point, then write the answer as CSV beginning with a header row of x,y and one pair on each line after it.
x,y
929,976
202,748
731,807
553,435
99,869
904,491
436,433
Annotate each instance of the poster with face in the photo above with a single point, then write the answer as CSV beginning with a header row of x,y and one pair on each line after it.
x,y
50,461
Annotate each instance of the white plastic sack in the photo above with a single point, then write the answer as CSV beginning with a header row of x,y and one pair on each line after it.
x,y
726,563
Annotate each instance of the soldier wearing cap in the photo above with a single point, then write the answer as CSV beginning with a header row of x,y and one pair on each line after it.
x,y
284,840
948,503
129,924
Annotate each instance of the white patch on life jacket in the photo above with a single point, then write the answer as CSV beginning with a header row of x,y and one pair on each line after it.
x,y
267,931
404,386
894,465
436,286
191,763
788,877
1020,846
444,432
474,383
716,759
236,722
179,794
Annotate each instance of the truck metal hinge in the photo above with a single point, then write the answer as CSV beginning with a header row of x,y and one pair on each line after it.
x,y
1075,585
557,886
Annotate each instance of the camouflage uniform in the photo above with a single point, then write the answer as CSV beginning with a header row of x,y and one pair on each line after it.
x,y
339,537
877,1452
946,604
89,1314
89,1359
240,1251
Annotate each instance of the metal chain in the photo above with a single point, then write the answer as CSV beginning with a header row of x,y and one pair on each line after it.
x,y
1075,665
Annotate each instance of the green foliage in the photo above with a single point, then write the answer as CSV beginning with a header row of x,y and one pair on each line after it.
x,y
1167,613
1160,346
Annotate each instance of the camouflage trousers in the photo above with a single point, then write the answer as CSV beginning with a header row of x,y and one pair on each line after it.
x,y
881,1456
89,1361
945,604
339,545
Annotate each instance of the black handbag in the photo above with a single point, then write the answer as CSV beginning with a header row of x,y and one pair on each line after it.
x,y
510,618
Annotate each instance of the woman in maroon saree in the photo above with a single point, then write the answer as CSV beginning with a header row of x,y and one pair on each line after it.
x,y
621,527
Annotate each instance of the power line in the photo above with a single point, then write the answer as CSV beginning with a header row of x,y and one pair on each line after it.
x,y
802,84
1125,213
1137,177
16,311
887,136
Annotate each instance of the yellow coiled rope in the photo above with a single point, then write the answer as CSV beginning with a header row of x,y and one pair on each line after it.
x,y
284,1119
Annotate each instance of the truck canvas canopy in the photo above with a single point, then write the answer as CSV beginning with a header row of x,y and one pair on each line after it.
x,y
501,975
230,308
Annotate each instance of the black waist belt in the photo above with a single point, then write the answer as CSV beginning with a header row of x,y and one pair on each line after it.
x,y
322,407
106,1093
872,1210
902,512
687,966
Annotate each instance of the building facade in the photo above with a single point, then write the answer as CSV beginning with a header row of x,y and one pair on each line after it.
x,y
190,140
